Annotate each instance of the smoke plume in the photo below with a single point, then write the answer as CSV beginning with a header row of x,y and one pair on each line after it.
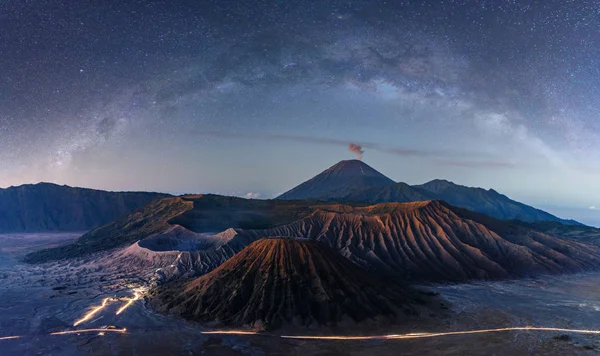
x,y
357,149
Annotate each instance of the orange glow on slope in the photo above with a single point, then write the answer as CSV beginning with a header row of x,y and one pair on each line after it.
x,y
92,312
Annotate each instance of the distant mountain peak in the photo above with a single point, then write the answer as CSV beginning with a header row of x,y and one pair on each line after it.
x,y
438,185
338,179
356,181
353,167
443,181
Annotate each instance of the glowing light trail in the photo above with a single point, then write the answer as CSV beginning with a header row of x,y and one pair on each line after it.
x,y
67,332
136,296
102,331
427,335
92,312
229,332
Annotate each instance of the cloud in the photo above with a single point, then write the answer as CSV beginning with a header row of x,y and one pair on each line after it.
x,y
309,139
251,195
477,164
356,149
506,126
438,156
593,207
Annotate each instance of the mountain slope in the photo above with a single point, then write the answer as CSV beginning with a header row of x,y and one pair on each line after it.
x,y
50,207
354,181
436,241
147,221
483,201
197,213
487,202
276,282
337,180
397,192
429,240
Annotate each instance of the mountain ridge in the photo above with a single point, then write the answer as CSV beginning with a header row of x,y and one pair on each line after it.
x,y
51,207
434,240
274,282
484,201
429,240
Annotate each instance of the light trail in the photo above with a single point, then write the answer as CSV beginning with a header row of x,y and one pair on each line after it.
x,y
102,331
137,295
92,312
450,333
229,332
67,332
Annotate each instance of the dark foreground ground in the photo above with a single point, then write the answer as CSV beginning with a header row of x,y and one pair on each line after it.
x,y
39,305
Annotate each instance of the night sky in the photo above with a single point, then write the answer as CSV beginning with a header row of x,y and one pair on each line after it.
x,y
254,97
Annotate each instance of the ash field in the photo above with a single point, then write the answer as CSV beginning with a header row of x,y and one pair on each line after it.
x,y
39,305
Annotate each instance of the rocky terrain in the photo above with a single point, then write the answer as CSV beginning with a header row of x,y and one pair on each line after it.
x,y
284,281
47,207
581,233
433,240
144,222
207,214
341,267
351,181
40,303
424,241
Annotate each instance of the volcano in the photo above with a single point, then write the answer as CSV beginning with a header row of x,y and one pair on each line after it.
x,y
338,180
356,182
275,282
428,240
433,240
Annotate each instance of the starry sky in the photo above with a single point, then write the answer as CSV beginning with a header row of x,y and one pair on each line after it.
x,y
251,98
